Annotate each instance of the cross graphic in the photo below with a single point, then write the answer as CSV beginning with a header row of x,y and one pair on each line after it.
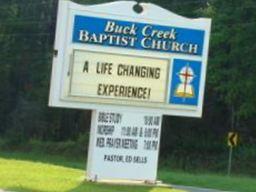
x,y
186,75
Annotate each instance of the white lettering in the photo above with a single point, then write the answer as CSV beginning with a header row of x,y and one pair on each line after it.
x,y
110,27
146,30
83,35
193,48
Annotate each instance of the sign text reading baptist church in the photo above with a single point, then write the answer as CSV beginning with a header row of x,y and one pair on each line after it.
x,y
137,35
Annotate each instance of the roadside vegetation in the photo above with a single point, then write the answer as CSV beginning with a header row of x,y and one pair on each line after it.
x,y
36,171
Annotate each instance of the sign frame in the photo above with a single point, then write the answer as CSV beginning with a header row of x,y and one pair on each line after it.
x,y
152,15
120,101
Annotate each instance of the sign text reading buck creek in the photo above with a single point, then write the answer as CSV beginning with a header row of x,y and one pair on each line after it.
x,y
134,35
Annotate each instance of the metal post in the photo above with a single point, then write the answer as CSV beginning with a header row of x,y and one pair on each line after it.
x,y
230,160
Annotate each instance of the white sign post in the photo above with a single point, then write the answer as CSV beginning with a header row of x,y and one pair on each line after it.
x,y
128,67
124,145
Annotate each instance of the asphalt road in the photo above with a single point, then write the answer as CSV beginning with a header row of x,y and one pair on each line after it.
x,y
195,189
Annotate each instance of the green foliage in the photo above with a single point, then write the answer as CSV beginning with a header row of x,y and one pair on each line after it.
x,y
232,64
77,149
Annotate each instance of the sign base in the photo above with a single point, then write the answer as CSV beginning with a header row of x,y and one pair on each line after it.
x,y
157,183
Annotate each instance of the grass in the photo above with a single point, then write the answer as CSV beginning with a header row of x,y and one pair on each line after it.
x,y
214,181
48,173
25,173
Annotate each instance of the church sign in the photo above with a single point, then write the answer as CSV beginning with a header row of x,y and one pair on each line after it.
x,y
154,61
130,68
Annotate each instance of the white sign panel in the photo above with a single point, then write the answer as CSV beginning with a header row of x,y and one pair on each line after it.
x,y
124,146
102,75
109,56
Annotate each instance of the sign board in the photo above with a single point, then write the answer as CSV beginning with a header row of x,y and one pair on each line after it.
x,y
124,145
109,56
232,139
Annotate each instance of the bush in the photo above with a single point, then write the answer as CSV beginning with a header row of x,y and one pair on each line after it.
x,y
69,148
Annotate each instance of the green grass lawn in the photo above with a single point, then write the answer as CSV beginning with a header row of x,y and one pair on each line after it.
x,y
49,173
234,183
32,175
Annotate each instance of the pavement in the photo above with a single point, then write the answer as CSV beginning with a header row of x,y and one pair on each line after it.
x,y
195,189
160,184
